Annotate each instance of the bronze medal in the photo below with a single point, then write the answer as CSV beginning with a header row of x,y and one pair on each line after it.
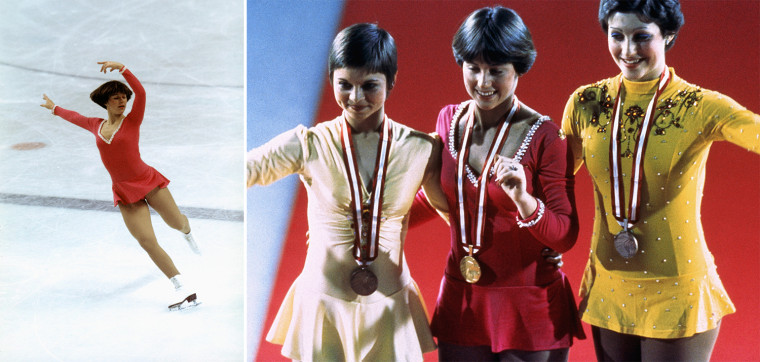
x,y
363,281
366,214
626,244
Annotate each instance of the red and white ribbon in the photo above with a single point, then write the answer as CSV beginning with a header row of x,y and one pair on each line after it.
x,y
365,248
482,187
618,192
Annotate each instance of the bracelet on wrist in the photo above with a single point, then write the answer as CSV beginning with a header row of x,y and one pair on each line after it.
x,y
534,219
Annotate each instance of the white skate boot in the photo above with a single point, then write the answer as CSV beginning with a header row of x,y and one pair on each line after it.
x,y
184,295
191,243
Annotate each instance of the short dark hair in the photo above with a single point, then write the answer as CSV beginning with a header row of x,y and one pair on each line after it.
x,y
665,13
364,46
496,35
101,94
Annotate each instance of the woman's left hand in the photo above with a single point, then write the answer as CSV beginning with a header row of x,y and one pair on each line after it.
x,y
511,176
110,66
552,257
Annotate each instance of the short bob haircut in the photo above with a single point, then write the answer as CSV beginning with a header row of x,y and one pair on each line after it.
x,y
665,13
496,36
101,94
365,46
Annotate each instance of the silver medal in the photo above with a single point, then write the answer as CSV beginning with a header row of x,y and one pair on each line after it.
x,y
626,244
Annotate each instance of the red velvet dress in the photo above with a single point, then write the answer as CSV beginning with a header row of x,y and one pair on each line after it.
x,y
132,178
521,301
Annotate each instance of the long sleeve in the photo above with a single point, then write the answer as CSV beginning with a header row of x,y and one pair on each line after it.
x,y
728,121
573,134
421,210
281,156
88,123
138,105
554,185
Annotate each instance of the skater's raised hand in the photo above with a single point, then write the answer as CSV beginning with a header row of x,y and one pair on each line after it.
x,y
48,103
110,66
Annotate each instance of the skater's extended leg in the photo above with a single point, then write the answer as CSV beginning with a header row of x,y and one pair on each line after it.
x,y
137,218
162,201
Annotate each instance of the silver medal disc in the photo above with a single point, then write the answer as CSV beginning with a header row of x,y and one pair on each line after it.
x,y
626,244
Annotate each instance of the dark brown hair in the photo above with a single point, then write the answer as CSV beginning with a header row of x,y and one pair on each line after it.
x,y
101,94
365,46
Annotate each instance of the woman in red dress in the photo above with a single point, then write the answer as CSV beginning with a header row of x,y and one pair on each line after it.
x,y
135,184
509,191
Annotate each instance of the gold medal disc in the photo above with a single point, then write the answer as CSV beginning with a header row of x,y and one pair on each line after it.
x,y
470,269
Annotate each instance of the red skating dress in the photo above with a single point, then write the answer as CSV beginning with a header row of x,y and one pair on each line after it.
x,y
521,301
132,178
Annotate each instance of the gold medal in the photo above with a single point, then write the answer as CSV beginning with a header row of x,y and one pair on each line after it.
x,y
626,244
470,268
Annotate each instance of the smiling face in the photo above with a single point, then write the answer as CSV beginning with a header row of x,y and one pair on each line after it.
x,y
116,104
361,95
489,85
638,48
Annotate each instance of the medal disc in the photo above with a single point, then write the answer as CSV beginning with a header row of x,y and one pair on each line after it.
x,y
470,269
363,281
626,244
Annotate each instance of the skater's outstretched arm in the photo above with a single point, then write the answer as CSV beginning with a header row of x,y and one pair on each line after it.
x,y
138,106
71,116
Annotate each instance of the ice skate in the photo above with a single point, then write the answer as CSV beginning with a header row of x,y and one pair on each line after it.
x,y
189,302
191,243
186,296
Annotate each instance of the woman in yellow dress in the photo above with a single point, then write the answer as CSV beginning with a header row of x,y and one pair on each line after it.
x,y
650,289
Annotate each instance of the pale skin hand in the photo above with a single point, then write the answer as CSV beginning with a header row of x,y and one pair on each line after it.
x,y
552,257
511,176
110,66
48,103
104,67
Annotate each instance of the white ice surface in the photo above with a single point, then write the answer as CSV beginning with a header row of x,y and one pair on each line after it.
x,y
74,285
69,295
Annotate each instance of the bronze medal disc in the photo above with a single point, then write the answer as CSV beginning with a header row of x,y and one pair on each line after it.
x,y
363,281
626,244
470,269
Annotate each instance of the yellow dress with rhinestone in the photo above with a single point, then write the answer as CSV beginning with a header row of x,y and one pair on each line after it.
x,y
321,318
670,288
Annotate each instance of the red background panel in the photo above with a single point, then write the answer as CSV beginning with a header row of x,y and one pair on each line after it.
x,y
718,49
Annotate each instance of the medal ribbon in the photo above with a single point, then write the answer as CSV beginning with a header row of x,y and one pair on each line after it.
x,y
618,192
366,244
482,187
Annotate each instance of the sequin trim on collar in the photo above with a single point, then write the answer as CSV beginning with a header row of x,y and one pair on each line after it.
x,y
518,155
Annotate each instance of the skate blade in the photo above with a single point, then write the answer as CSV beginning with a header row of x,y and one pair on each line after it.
x,y
190,302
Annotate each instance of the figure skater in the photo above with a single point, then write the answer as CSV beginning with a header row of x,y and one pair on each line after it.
x,y
651,290
355,299
135,184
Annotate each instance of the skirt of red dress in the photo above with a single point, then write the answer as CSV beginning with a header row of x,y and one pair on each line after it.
x,y
528,318
134,190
